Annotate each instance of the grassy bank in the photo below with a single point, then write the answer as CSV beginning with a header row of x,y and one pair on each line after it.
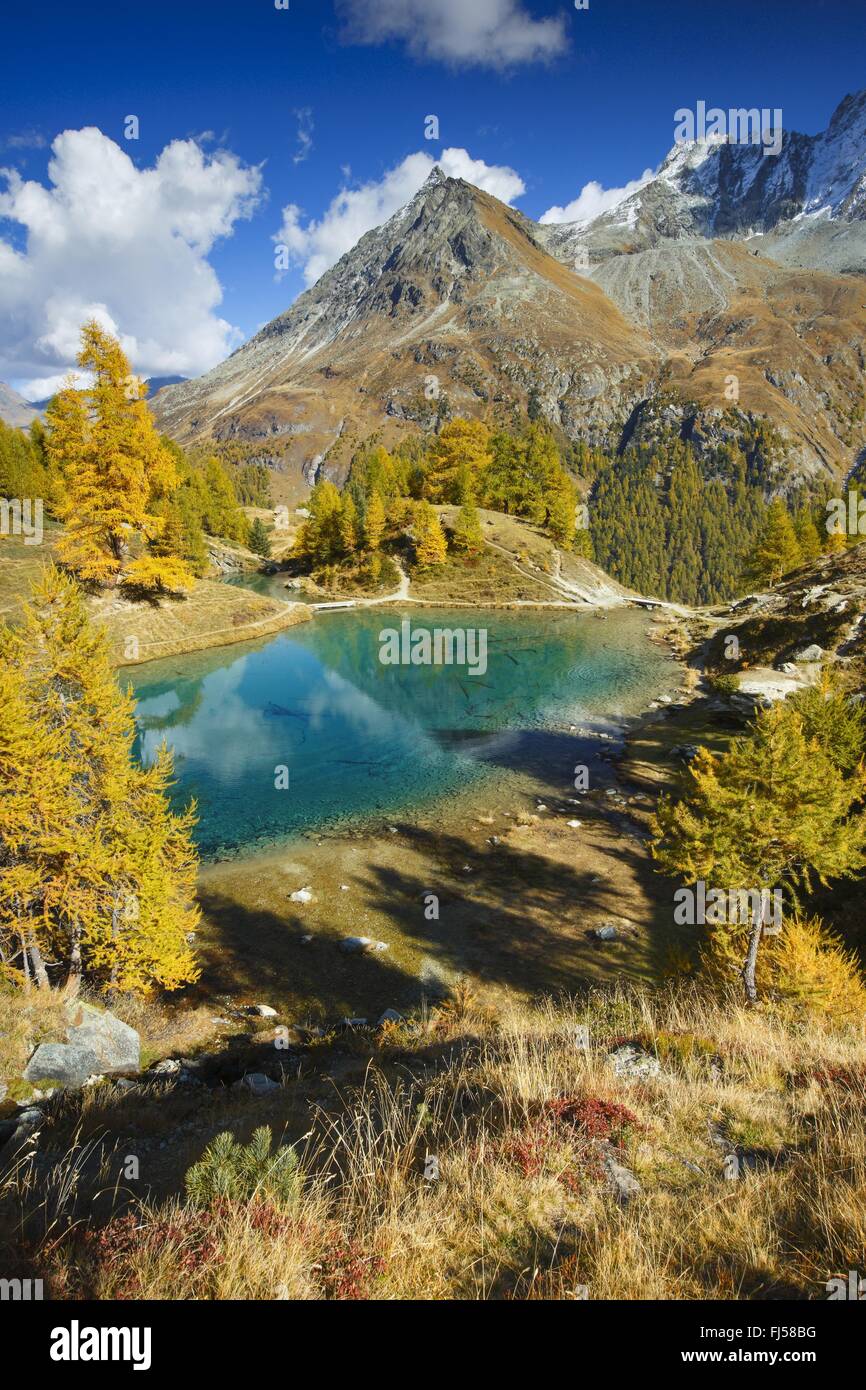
x,y
734,1168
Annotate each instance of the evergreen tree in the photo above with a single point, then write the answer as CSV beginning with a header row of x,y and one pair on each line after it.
x,y
808,539
259,542
777,551
467,537
319,541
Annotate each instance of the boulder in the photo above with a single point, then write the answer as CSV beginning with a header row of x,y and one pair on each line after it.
x,y
262,1011
812,653
629,1060
97,1043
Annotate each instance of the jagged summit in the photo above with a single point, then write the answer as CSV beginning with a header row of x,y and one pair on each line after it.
x,y
716,188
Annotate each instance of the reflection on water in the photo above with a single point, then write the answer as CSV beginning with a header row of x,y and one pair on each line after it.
x,y
360,739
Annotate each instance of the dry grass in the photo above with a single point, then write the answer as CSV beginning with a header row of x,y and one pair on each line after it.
x,y
27,1018
519,1117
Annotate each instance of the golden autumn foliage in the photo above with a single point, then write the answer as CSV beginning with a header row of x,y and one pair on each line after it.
x,y
430,545
97,874
461,453
114,466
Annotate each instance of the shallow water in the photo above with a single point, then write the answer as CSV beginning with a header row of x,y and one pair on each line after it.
x,y
361,740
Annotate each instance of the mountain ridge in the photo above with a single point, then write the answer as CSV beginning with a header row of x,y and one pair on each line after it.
x,y
461,296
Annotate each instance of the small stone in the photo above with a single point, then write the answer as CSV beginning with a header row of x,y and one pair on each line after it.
x,y
262,1011
575,824
258,1084
360,945
606,932
303,895
344,887
389,1016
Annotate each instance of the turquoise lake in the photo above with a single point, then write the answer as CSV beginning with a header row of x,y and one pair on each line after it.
x,y
362,740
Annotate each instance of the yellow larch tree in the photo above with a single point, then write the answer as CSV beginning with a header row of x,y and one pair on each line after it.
x,y
114,468
96,870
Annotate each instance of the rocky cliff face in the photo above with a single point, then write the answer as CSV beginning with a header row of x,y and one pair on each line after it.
x,y
459,296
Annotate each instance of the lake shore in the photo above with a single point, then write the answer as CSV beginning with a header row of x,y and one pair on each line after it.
x,y
503,885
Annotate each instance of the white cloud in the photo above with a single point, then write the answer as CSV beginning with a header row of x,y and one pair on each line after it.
x,y
319,244
30,139
128,246
593,200
306,127
467,33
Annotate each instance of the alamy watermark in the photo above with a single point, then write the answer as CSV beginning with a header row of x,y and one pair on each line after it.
x,y
846,516
738,126
440,647
22,516
701,906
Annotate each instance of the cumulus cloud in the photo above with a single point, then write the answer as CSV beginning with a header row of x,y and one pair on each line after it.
x,y
127,246
319,244
464,33
593,200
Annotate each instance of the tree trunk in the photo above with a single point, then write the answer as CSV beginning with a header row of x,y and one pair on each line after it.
x,y
752,959
74,979
39,971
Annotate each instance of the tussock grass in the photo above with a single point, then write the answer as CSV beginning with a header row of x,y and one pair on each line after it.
x,y
520,1115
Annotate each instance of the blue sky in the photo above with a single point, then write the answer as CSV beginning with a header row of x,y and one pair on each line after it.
x,y
559,96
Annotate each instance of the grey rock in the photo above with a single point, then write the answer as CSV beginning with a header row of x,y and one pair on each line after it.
x,y
68,1065
168,1067
620,1180
361,945
390,1016
98,1044
22,1127
607,932
262,1011
258,1084
812,653
628,1060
